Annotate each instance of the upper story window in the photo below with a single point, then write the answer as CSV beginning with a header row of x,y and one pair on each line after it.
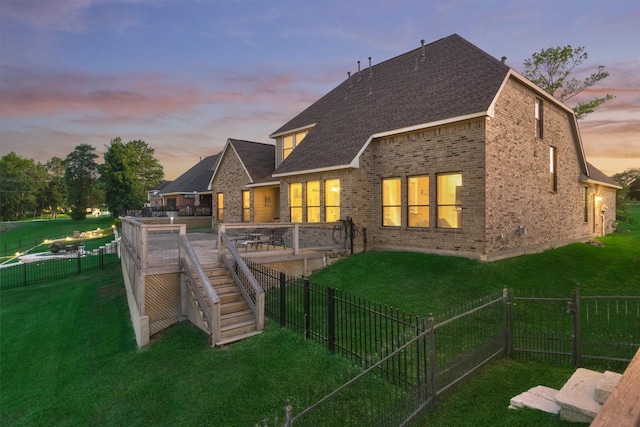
x,y
246,205
313,201
553,169
295,201
331,200
449,196
418,196
290,142
391,202
539,116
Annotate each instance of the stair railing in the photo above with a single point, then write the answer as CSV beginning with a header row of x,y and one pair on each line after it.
x,y
244,279
191,264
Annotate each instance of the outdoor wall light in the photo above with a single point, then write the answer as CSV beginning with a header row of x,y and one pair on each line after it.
x,y
598,198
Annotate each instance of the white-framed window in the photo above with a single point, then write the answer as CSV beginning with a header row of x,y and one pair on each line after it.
x,y
418,201
539,114
391,202
449,197
290,142
246,205
553,166
295,201
313,201
331,200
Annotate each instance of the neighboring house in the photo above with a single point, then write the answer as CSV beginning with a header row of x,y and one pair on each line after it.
x,y
442,149
188,194
154,198
244,190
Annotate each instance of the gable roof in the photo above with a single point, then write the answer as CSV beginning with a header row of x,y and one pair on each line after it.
x,y
449,78
195,179
160,186
256,158
595,176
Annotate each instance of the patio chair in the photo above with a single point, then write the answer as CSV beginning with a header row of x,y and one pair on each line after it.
x,y
277,238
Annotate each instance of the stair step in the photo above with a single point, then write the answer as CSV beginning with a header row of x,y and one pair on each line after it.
x,y
577,397
230,297
231,340
233,307
236,317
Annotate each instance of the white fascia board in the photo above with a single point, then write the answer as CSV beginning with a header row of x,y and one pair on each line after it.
x,y
308,171
263,184
355,163
606,184
289,132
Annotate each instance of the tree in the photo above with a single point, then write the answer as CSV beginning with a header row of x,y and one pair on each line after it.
x,y
21,181
80,176
129,170
630,182
552,70
55,193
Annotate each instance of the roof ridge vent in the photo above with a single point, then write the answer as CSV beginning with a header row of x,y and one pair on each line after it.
x,y
349,78
359,76
504,59
370,70
423,55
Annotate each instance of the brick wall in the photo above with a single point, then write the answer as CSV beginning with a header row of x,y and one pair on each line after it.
x,y
230,180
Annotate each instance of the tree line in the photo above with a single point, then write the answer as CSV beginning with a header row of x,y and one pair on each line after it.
x,y
76,183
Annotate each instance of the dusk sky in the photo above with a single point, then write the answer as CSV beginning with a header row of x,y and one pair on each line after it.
x,y
185,75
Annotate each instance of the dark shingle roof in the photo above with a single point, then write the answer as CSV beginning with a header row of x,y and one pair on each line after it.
x,y
195,179
596,175
258,158
455,79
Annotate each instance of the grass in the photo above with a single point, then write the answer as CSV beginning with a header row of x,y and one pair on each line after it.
x,y
69,358
68,354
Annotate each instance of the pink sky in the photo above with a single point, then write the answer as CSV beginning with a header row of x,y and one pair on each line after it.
x,y
185,76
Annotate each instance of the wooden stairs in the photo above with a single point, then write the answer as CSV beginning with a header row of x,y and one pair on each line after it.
x,y
237,321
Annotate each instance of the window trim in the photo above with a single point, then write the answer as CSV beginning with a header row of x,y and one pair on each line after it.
x,y
291,199
458,206
311,206
328,191
246,208
395,207
294,142
415,205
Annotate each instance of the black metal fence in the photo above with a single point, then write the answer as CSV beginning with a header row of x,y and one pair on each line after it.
x,y
407,363
34,272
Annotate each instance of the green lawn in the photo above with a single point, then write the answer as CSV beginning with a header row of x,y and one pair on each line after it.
x,y
68,353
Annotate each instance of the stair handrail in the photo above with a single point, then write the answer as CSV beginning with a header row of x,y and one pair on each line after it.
x,y
256,305
213,316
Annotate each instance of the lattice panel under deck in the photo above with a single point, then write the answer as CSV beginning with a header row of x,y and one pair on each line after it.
x,y
163,300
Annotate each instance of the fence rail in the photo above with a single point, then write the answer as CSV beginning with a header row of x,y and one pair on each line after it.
x,y
34,272
409,364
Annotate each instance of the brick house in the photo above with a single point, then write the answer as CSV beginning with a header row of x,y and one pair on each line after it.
x,y
188,194
442,149
242,181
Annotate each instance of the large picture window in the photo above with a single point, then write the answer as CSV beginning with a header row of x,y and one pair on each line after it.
x,y
449,196
313,201
290,142
246,205
332,200
418,201
220,203
295,201
391,202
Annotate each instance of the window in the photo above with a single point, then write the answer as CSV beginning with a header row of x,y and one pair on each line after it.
x,y
332,200
539,116
290,142
391,200
220,207
313,201
449,195
418,195
553,164
171,203
246,205
295,201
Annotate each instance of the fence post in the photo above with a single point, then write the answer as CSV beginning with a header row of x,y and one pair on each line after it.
x,y
306,306
577,356
331,321
505,321
512,327
79,264
101,252
432,360
283,304
24,270
287,414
